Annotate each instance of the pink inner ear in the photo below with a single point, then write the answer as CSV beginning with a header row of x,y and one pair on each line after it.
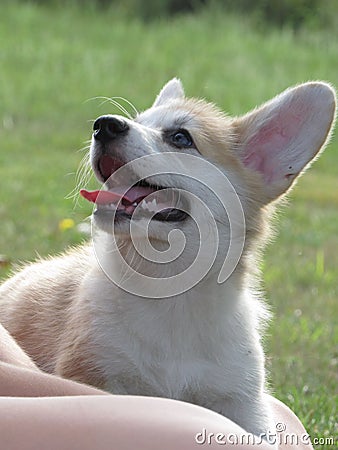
x,y
268,150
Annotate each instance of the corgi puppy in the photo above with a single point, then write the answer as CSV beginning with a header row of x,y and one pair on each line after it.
x,y
164,301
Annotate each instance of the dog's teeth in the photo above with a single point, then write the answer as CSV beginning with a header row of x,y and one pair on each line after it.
x,y
134,204
149,206
143,204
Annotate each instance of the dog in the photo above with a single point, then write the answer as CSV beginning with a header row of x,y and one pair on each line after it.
x,y
115,315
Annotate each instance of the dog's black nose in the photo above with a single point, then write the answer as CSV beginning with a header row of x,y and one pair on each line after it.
x,y
109,127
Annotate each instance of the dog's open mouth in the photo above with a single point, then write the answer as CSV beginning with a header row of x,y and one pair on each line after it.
x,y
158,201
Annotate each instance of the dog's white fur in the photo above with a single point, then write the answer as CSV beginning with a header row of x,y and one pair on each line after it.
x,y
202,346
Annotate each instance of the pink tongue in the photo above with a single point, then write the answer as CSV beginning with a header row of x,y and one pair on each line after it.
x,y
119,193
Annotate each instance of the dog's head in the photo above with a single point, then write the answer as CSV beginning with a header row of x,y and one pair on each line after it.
x,y
174,165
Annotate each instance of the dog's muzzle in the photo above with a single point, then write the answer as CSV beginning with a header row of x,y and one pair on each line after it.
x,y
165,204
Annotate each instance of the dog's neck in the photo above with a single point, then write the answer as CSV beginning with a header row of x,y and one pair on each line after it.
x,y
205,291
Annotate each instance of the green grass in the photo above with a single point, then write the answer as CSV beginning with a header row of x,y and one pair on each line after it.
x,y
54,62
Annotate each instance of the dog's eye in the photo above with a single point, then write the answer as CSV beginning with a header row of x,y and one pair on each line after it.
x,y
181,139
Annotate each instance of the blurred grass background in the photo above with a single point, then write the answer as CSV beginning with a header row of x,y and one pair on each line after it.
x,y
57,57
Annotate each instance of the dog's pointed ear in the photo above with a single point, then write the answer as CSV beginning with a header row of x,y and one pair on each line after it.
x,y
280,138
170,91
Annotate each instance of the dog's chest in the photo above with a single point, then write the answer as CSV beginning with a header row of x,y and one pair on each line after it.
x,y
168,348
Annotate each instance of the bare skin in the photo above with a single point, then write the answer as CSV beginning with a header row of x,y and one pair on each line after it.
x,y
39,410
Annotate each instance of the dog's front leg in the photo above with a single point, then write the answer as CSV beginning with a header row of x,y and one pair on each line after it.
x,y
115,386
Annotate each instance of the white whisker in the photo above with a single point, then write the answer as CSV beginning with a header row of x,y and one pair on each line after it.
x,y
116,101
82,178
128,103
